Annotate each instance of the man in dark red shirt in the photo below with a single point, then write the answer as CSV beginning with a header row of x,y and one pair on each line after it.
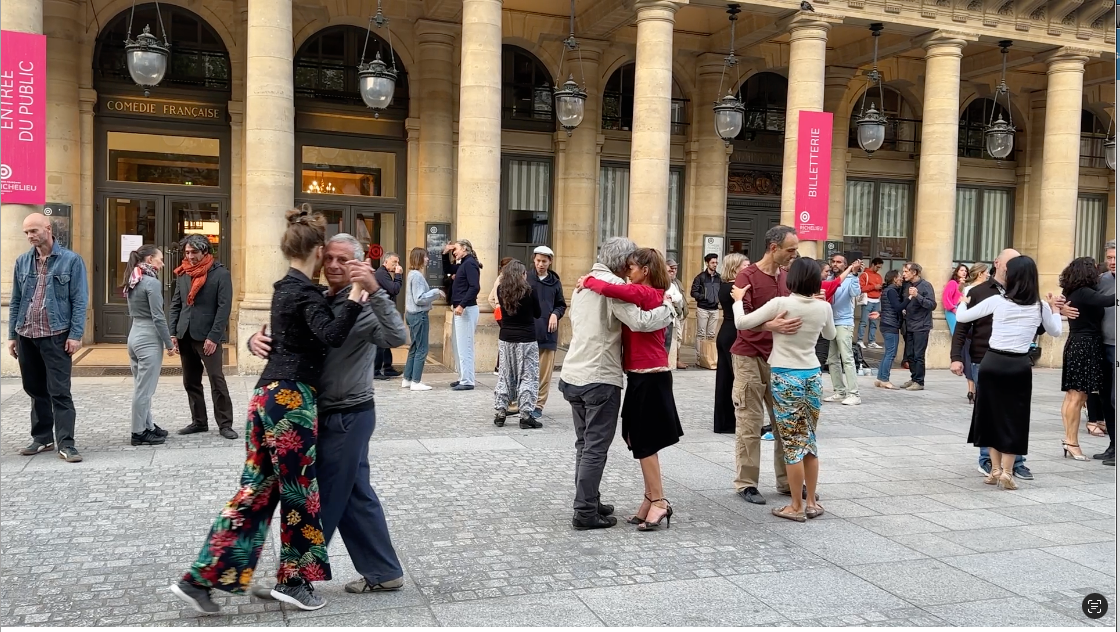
x,y
751,392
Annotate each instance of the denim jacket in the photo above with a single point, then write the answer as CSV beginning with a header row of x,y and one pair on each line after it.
x,y
66,304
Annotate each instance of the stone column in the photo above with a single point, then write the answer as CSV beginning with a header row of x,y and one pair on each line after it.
x,y
480,133
836,80
435,179
81,223
574,221
937,167
808,35
649,141
708,158
1061,149
269,161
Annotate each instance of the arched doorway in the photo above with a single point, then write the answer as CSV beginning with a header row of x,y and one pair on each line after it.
x,y
352,166
162,162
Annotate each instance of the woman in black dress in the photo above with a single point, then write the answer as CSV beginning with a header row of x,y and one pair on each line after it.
x,y
725,375
1083,357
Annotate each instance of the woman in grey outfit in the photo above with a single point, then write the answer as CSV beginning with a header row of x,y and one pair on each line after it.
x,y
147,339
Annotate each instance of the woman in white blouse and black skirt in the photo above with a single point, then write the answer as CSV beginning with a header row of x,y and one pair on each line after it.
x,y
1001,418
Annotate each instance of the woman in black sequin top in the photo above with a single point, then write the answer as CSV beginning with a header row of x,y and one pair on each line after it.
x,y
280,440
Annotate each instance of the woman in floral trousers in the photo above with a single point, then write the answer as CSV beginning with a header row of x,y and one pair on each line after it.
x,y
280,438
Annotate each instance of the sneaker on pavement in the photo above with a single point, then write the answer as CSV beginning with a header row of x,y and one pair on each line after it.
x,y
196,597
228,433
363,586
835,397
35,448
914,386
985,467
454,384
595,522
768,436
419,386
907,384
537,413
148,437
852,400
391,372
1021,471
463,387
752,495
380,376
1110,462
301,596
874,345
159,431
406,383
70,454
192,429
861,345
528,423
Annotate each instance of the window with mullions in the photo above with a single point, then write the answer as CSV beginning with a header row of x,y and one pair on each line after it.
x,y
198,58
764,119
970,129
877,218
614,206
618,103
326,68
1089,226
903,128
526,91
982,223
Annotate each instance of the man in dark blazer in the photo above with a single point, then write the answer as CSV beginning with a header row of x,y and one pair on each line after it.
x,y
199,316
389,278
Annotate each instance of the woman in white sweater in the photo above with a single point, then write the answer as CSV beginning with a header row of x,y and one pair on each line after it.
x,y
795,378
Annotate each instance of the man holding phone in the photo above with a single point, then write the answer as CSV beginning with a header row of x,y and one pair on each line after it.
x,y
841,361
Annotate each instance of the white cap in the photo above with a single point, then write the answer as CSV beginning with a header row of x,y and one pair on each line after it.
x,y
544,250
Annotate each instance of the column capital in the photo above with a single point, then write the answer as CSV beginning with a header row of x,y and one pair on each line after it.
x,y
87,97
657,9
1066,59
412,126
945,42
236,112
809,24
433,32
838,75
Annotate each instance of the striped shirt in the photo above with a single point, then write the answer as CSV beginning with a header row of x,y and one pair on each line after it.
x,y
37,324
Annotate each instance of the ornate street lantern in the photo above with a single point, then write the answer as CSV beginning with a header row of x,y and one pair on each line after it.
x,y
871,125
571,99
729,109
145,56
376,80
1110,153
999,135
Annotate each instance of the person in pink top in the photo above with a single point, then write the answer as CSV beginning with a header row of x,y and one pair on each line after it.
x,y
951,295
649,411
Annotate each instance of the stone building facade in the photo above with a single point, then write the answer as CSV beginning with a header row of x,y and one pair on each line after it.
x,y
260,111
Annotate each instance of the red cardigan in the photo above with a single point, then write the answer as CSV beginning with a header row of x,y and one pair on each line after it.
x,y
640,350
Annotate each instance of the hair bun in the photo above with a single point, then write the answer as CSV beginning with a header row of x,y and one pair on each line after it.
x,y
301,215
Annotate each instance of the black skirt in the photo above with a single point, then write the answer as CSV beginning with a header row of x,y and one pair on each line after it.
x,y
725,379
1082,362
649,413
1001,417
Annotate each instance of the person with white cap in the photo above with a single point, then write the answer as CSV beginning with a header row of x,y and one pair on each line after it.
x,y
550,294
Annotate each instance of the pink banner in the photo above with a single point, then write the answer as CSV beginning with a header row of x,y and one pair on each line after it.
x,y
814,166
23,118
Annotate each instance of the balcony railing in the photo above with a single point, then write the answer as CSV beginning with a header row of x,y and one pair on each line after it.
x,y
903,135
1092,151
618,111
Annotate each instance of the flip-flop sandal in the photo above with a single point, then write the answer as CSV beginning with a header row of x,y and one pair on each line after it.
x,y
788,515
813,512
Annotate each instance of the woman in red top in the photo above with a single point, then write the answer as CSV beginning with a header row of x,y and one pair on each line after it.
x,y
649,412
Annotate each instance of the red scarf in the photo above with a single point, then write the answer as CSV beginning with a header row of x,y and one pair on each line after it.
x,y
197,273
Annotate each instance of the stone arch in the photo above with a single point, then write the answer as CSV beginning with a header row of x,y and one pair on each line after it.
x,y
354,37
305,32
679,90
1016,112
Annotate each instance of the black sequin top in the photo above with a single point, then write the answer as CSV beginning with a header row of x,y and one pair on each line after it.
x,y
303,327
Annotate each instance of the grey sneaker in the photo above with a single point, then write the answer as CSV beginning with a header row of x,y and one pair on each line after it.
x,y
1021,471
914,386
196,597
907,384
301,596
69,454
363,586
35,448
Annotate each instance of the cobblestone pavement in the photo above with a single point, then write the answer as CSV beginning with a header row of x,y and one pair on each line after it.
x,y
480,517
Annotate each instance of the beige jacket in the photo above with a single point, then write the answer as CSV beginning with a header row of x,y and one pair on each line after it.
x,y
595,353
493,298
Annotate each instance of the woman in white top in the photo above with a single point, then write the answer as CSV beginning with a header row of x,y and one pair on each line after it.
x,y
1001,418
795,378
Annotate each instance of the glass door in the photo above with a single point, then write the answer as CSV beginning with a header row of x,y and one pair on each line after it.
x,y
375,229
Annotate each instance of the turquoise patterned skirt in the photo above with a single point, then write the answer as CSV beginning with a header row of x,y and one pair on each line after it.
x,y
797,406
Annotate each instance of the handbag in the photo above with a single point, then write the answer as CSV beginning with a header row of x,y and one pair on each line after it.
x,y
498,314
708,354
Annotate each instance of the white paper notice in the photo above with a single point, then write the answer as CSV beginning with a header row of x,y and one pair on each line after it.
x,y
129,244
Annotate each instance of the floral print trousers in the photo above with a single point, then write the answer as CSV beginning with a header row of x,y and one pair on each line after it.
x,y
797,407
280,438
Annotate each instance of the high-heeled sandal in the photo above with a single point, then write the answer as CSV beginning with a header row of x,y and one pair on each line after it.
x,y
993,476
1007,481
1094,429
1069,454
639,518
971,397
646,525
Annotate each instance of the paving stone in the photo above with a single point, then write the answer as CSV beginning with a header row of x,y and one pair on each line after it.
x,y
698,602
805,594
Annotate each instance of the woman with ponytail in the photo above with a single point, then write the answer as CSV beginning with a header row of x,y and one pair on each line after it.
x,y
147,338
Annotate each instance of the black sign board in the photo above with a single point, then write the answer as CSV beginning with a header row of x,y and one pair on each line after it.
x,y
59,215
436,236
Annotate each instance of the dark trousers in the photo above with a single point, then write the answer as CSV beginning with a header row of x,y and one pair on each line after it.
x,y
349,502
1108,393
908,349
44,367
916,342
595,414
383,360
194,360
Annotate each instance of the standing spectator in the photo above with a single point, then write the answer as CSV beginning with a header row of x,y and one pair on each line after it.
x,y
918,304
550,293
675,333
841,361
46,320
951,295
591,377
519,366
492,299
705,291
147,338
754,403
732,265
464,301
390,279
889,318
871,284
199,316
1083,356
418,302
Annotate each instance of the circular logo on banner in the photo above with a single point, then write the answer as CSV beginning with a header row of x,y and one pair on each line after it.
x,y
375,251
48,210
5,172
804,217
433,230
